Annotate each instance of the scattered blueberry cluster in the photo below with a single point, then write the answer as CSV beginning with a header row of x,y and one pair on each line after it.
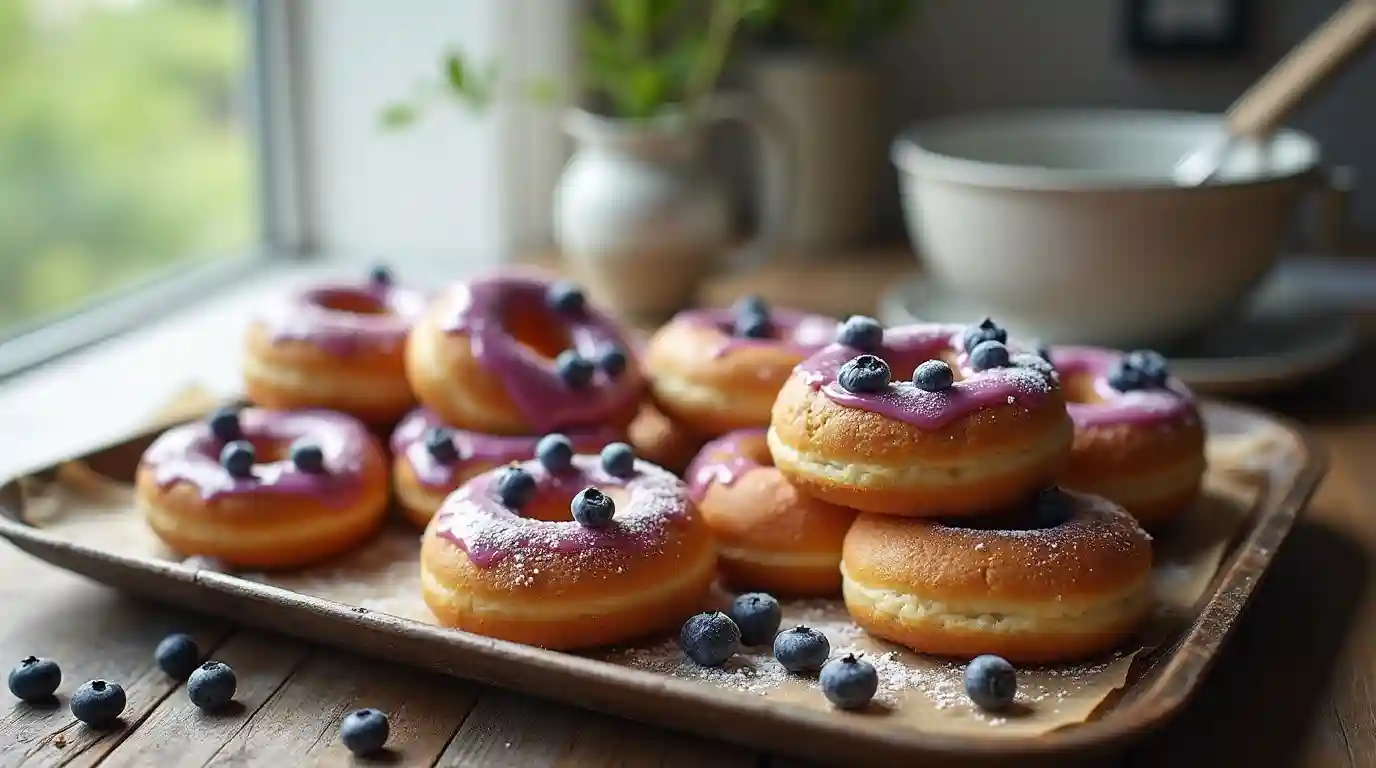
x,y
210,686
751,318
591,507
238,455
575,370
1140,369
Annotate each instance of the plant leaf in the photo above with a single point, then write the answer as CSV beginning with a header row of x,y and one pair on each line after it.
x,y
454,72
399,115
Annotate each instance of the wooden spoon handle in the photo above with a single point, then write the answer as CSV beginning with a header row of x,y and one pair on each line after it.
x,y
1304,70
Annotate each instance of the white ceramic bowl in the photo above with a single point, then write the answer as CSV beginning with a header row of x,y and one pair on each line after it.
x,y
1069,223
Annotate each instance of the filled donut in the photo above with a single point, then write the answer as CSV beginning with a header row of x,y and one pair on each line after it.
x,y
660,440
519,354
430,460
264,489
593,552
1139,438
769,536
1068,579
921,420
715,370
338,347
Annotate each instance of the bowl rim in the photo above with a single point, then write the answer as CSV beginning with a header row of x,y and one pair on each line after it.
x,y
912,158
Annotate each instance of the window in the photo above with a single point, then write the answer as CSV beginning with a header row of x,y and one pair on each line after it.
x,y
126,147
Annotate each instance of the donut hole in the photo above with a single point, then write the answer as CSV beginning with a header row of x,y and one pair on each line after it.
x,y
350,302
269,451
1079,388
531,326
556,505
902,367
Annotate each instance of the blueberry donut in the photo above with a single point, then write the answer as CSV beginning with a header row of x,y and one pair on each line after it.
x,y
1139,438
716,370
255,488
922,420
338,347
521,354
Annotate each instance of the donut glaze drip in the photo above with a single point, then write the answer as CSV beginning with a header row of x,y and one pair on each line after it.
x,y
190,454
475,520
310,316
1108,406
531,380
1027,380
795,331
408,441
724,461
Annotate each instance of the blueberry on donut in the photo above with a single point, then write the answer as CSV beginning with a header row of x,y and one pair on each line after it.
x,y
517,354
292,489
1139,438
588,559
339,347
933,420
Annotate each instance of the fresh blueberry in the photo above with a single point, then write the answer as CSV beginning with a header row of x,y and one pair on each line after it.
x,y
1151,364
758,616
555,452
754,327
618,460
1126,378
177,655
592,508
989,355
612,360
990,682
380,274
574,369
98,703
237,458
566,298
860,332
709,639
365,731
865,373
212,686
934,376
801,650
750,306
308,458
1051,507
439,443
35,680
849,682
515,487
224,424
984,330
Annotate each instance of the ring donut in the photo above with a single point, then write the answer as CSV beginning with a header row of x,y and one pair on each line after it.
x,y
706,373
990,431
1035,589
1139,439
338,347
538,577
430,460
769,536
264,489
519,354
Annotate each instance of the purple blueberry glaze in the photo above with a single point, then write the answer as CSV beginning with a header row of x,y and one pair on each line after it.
x,y
1139,407
474,448
1027,381
308,316
723,461
800,332
476,521
476,309
191,454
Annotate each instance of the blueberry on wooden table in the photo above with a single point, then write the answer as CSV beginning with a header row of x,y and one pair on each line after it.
x,y
177,656
365,731
758,615
98,703
801,650
709,639
212,686
35,680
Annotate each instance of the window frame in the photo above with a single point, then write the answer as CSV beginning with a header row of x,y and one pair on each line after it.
x,y
272,80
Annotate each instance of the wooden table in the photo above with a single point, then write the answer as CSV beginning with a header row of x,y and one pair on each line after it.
x,y
1296,685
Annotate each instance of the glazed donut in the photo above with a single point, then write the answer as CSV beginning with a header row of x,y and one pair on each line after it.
x,y
663,441
1139,439
430,460
264,489
769,536
538,577
339,347
708,375
986,432
518,354
1063,584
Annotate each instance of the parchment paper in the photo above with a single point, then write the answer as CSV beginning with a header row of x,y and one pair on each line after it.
x,y
921,692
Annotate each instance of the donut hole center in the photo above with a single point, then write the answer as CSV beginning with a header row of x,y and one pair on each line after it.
x,y
556,506
351,302
1079,388
270,451
531,326
902,367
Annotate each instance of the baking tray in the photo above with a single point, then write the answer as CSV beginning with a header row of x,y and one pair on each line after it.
x,y
1158,684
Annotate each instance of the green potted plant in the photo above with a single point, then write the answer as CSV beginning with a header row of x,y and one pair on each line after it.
x,y
812,65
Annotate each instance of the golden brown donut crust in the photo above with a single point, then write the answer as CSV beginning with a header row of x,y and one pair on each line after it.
x,y
663,441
